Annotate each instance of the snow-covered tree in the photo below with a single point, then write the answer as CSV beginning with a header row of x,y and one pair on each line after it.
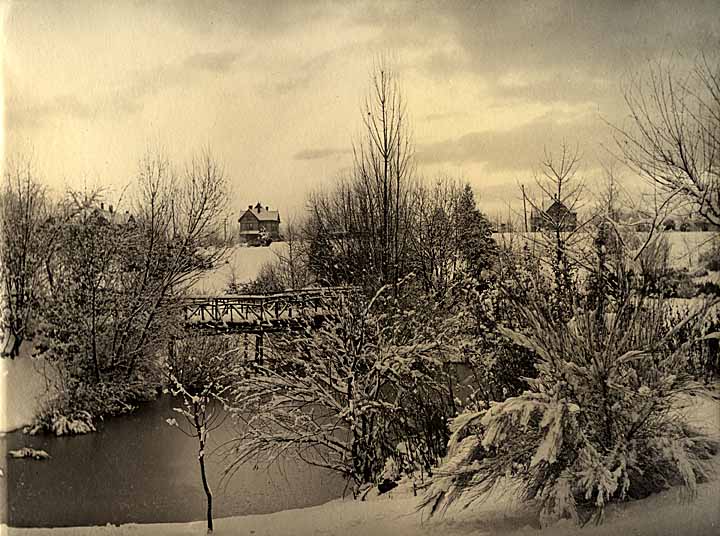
x,y
26,243
116,281
367,386
600,423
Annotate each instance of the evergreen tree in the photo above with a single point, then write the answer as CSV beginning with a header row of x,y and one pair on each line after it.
x,y
477,246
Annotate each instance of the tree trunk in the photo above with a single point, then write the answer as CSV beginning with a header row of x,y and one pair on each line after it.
x,y
259,348
206,486
201,431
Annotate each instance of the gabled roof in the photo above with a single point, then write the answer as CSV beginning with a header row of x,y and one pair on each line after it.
x,y
558,206
265,215
261,214
117,218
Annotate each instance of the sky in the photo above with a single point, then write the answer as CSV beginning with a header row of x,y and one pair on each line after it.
x,y
274,89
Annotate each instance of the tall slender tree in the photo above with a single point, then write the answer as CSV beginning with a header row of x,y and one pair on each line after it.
x,y
364,222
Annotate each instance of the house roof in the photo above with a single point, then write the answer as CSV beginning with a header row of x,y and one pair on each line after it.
x,y
265,215
558,206
119,218
261,214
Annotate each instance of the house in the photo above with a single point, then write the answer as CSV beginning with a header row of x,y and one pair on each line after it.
x,y
100,214
557,215
110,215
259,225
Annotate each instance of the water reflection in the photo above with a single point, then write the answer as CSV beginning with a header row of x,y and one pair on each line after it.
x,y
139,469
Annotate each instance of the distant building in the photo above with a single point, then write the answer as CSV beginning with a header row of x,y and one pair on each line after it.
x,y
698,225
502,227
104,215
112,216
557,215
259,225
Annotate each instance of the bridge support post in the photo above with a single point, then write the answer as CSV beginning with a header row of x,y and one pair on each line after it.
x,y
259,348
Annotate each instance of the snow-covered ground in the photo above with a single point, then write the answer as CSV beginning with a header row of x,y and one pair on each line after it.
x,y
243,263
685,248
396,514
22,388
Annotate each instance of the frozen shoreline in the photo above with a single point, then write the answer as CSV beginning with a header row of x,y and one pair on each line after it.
x,y
395,513
23,389
662,514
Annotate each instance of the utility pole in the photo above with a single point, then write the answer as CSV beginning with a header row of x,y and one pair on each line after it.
x,y
522,187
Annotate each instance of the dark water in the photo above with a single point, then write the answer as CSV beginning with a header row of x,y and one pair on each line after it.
x,y
138,469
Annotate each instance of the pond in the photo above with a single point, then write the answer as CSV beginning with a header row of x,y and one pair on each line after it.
x,y
139,469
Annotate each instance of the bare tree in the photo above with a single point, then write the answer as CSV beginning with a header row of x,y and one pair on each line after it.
x,y
672,137
561,239
435,239
292,261
201,371
178,218
26,245
344,395
117,281
364,222
383,166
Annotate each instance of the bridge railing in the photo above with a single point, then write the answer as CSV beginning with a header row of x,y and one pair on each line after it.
x,y
262,308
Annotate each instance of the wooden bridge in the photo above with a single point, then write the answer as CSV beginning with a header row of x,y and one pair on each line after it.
x,y
263,313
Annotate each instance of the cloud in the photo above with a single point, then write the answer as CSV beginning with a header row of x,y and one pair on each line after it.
x,y
25,115
294,83
309,70
441,116
515,149
216,62
319,154
256,16
564,40
568,88
115,101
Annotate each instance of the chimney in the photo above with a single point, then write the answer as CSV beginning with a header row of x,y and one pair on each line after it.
x,y
249,207
102,206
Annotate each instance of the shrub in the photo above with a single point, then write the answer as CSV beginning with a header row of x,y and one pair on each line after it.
x,y
708,288
367,385
598,424
52,420
268,281
78,405
711,258
703,357
497,365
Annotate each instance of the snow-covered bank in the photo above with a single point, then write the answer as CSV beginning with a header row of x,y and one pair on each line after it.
x,y
665,514
22,388
395,513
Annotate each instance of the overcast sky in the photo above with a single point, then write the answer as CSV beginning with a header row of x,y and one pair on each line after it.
x,y
274,88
